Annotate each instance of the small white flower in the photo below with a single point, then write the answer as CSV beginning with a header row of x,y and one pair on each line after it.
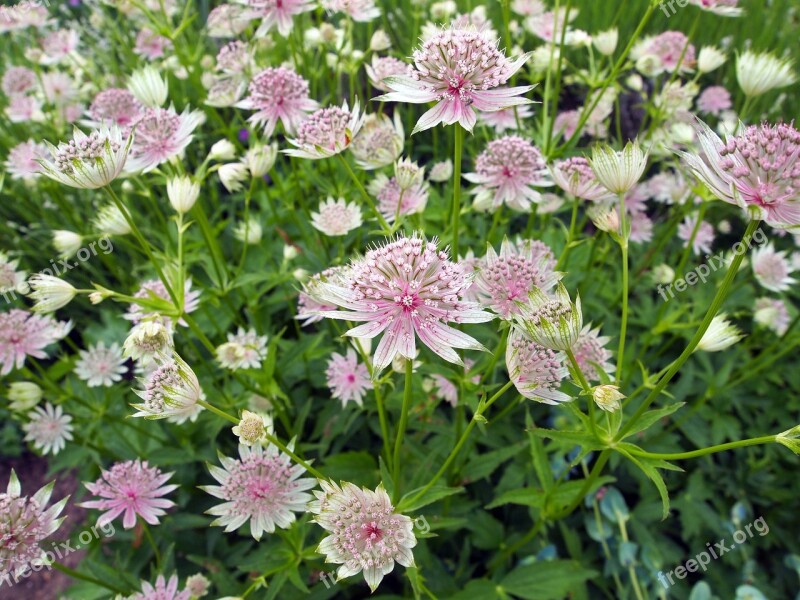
x,y
100,365
182,193
222,150
67,243
618,171
441,171
606,41
24,395
147,340
380,41
720,335
336,217
50,293
772,269
48,428
243,350
710,59
250,429
759,73
249,231
148,88
233,175
260,159
111,221
607,397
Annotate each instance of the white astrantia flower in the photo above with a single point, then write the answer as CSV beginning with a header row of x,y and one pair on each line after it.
x,y
710,59
552,322
606,41
148,87
170,391
182,193
111,221
721,334
67,243
147,340
607,397
619,171
48,429
336,217
89,161
249,231
50,293
100,365
250,429
233,175
260,159
24,395
758,73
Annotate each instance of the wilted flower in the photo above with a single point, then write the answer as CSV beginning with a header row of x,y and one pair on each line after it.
x,y
336,217
243,350
88,161
365,534
100,365
554,323
607,397
50,293
182,192
537,372
618,171
131,487
772,268
250,429
348,379
24,334
380,141
244,483
161,134
171,390
326,132
760,73
461,70
575,176
278,94
720,335
148,87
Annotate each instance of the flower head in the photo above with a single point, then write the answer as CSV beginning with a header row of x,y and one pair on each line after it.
x,y
161,134
243,350
382,67
115,106
406,288
163,590
261,487
714,100
101,365
671,51
507,172
250,429
607,397
591,354
89,161
618,171
771,313
336,217
720,335
758,74
24,523
537,372
277,13
379,143
327,132
575,176
365,533
23,395
154,289
148,339
17,81
50,293
393,200
131,487
23,160
703,238
462,71
361,11
24,334
48,428
278,94
148,87
723,8
772,268
170,391
758,170
348,379
554,323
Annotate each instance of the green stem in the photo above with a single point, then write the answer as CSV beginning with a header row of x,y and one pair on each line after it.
x,y
719,298
766,439
152,543
562,260
487,374
401,428
384,225
80,576
623,331
587,389
456,215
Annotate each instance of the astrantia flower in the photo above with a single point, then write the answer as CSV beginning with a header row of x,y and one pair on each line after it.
x,y
771,313
66,242
100,365
348,379
506,172
552,322
170,391
148,339
89,161
618,171
461,70
758,74
250,429
197,585
17,81
163,590
506,279
243,350
23,160
723,8
249,231
757,170
151,45
11,279
148,87
154,288
607,397
336,217
590,353
506,118
394,201
131,487
261,487
277,13
703,238
365,534
714,100
24,334
110,221
278,94
382,67
575,176
24,523
380,141
23,395
361,11
115,106
326,132
228,20
48,429
405,288
772,268
668,48
720,335
161,134
309,307
537,372
50,293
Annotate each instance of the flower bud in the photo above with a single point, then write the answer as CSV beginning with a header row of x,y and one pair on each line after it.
x,y
380,41
182,193
24,395
222,150
607,397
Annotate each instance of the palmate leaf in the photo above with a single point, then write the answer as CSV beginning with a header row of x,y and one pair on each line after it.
x,y
652,416
437,492
649,467
550,580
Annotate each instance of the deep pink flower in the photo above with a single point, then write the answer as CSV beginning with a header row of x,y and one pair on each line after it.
x,y
537,372
404,289
348,379
115,106
576,177
160,134
278,94
757,170
461,70
24,334
714,100
507,172
277,13
131,487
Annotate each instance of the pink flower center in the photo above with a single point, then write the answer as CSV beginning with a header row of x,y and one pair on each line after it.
x,y
371,532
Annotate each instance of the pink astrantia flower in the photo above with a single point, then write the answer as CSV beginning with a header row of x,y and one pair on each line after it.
x,y
23,160
771,313
772,269
348,379
724,8
462,71
228,20
309,306
23,108
163,590
536,371
336,217
365,533
575,176
506,279
278,94
277,13
507,172
58,45
641,227
758,170
155,288
160,134
713,100
150,45
502,120
261,487
382,67
379,143
393,201
24,523
703,238
24,334
406,288
131,487
100,365
668,47
115,106
591,354
327,132
235,57
17,81
361,11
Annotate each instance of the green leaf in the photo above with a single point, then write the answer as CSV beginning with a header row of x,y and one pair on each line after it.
x,y
437,492
483,465
539,457
580,438
651,416
551,580
648,467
